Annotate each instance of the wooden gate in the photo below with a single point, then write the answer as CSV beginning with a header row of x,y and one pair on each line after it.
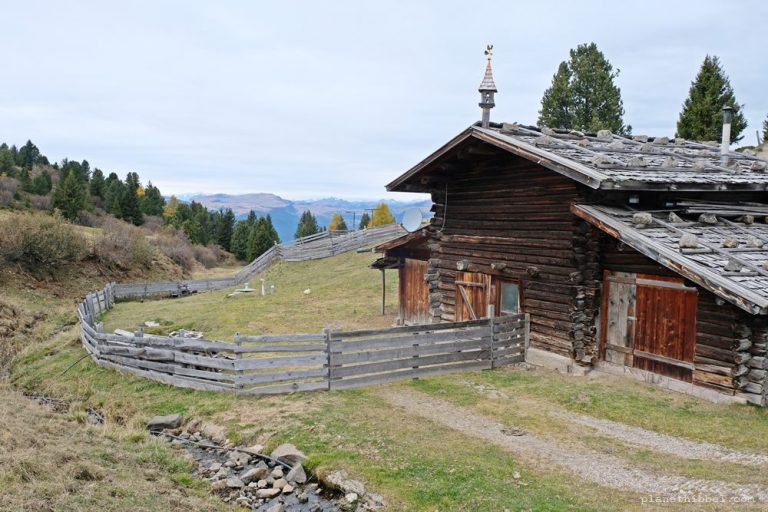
x,y
473,293
649,322
414,292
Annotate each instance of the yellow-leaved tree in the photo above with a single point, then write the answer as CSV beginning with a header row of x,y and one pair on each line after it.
x,y
337,223
382,215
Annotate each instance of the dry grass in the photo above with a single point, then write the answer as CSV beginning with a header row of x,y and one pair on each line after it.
x,y
48,463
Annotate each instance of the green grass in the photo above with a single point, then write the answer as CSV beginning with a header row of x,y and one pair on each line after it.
x,y
345,293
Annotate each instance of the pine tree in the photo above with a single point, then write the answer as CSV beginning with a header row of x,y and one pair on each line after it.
x,y
42,184
382,215
97,186
337,223
556,105
224,229
26,181
70,197
702,115
28,155
583,95
307,225
129,206
113,198
152,201
273,236
765,130
6,160
365,219
239,243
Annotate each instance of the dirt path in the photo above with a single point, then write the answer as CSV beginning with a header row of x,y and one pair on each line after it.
x,y
595,467
676,446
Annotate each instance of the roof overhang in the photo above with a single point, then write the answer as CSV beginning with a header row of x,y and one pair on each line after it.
x,y
677,262
547,159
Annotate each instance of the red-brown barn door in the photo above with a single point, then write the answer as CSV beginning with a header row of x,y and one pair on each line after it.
x,y
414,292
472,295
649,322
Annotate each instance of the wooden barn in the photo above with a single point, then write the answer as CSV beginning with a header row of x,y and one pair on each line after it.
x,y
635,255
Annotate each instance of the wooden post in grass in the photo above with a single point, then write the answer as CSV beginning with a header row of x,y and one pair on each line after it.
x,y
490,313
238,357
383,290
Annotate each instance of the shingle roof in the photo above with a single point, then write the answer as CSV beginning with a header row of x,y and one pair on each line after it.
x,y
609,161
488,84
724,255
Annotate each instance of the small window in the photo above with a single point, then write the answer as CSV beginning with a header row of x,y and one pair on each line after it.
x,y
509,298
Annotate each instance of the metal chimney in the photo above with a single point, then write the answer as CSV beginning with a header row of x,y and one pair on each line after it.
x,y
726,139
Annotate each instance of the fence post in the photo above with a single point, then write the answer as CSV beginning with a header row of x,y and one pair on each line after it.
x,y
139,333
329,355
238,357
527,335
490,313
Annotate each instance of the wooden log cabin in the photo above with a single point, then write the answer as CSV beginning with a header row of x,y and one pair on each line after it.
x,y
636,255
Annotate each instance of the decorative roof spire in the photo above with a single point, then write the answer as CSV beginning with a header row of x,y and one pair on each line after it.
x,y
487,90
488,84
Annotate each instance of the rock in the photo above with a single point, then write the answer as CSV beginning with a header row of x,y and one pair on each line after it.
x,y
708,218
688,241
243,502
307,291
158,423
754,242
255,449
262,484
604,135
674,218
732,266
661,140
351,497
277,472
221,473
254,474
372,502
239,458
216,433
280,483
288,453
234,483
215,467
642,218
229,464
730,243
267,493
339,480
277,507
516,475
297,474
747,219
287,489
218,485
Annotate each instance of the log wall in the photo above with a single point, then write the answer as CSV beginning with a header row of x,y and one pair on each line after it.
x,y
730,343
513,221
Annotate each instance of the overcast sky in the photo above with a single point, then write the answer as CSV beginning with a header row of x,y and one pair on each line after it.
x,y
314,99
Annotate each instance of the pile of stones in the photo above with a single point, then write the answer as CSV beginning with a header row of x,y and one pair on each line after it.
x,y
255,481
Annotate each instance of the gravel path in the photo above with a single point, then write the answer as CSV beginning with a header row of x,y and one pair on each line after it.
x,y
677,446
595,467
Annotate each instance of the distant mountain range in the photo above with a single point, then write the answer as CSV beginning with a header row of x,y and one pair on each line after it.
x,y
285,213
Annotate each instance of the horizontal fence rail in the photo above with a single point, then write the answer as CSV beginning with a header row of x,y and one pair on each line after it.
x,y
285,363
320,245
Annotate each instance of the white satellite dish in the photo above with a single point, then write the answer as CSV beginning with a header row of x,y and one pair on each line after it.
x,y
411,219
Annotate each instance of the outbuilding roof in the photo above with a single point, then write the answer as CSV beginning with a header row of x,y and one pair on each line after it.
x,y
718,246
605,160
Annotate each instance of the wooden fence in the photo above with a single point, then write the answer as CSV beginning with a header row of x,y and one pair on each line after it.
x,y
320,245
253,365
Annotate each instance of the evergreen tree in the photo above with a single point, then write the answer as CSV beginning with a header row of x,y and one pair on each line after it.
x,y
131,210
583,95
98,185
364,221
152,201
26,181
307,225
337,223
70,197
239,242
273,236
27,155
251,219
224,228
110,179
702,115
382,215
259,239
557,105
42,184
6,160
765,130
113,198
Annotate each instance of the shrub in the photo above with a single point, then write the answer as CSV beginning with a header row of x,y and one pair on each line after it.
x,y
152,223
40,243
42,203
175,245
88,219
122,246
11,185
6,198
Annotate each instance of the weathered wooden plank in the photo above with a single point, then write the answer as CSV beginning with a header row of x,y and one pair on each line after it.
x,y
408,374
171,369
410,362
393,331
406,341
285,388
279,362
398,353
283,338
177,381
262,378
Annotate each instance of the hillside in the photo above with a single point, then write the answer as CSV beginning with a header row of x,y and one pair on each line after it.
x,y
285,213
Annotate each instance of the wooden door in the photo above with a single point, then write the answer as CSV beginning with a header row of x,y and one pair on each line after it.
x,y
473,293
649,322
414,292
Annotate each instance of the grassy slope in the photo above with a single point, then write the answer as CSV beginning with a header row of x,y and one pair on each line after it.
x,y
416,464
